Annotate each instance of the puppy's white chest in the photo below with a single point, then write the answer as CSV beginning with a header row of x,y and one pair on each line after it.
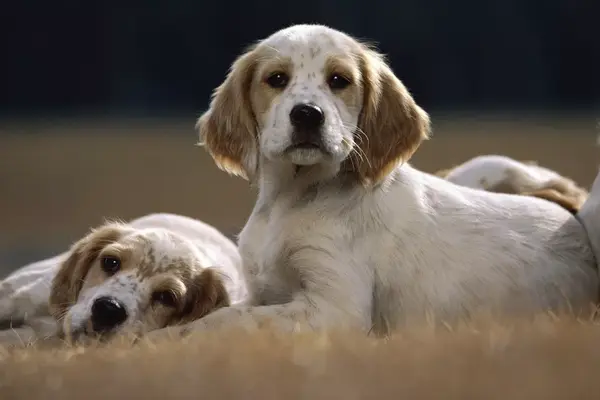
x,y
274,248
262,245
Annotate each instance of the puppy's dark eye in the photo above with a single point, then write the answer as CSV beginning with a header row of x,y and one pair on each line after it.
x,y
338,82
110,264
164,297
278,80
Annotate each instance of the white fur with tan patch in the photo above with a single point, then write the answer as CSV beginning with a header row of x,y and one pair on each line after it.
x,y
308,84
371,243
159,247
156,250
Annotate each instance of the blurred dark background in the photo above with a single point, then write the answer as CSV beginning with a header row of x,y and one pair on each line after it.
x,y
98,99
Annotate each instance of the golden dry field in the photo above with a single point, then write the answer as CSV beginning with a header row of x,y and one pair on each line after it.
x,y
546,359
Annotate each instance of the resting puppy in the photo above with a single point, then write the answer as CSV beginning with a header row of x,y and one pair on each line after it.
x,y
345,233
158,270
501,174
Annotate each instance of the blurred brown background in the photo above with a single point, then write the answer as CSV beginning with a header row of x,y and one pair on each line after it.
x,y
57,182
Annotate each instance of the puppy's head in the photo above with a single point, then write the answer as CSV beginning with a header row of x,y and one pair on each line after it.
x,y
310,95
118,279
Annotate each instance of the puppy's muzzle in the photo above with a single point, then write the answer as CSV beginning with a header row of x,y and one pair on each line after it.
x,y
107,314
307,120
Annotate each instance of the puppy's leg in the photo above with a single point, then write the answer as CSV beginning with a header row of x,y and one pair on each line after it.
x,y
283,317
328,296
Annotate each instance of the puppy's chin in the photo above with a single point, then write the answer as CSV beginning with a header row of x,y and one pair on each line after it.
x,y
306,156
330,151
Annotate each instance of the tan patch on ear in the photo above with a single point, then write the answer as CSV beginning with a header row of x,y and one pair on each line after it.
x,y
206,294
67,283
394,125
228,129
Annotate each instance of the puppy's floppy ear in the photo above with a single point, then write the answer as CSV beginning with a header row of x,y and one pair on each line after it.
x,y
228,129
569,203
393,123
68,281
206,294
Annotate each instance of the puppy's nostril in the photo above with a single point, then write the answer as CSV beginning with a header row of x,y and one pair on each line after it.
x,y
307,116
107,313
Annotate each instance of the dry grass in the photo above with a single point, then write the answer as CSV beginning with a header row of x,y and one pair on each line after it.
x,y
546,359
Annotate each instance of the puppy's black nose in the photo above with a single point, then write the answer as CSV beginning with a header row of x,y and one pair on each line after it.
x,y
107,313
307,116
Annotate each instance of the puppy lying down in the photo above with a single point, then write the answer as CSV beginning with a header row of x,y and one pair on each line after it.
x,y
502,174
155,271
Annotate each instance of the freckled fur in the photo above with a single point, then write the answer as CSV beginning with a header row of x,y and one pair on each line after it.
x,y
366,113
378,244
157,252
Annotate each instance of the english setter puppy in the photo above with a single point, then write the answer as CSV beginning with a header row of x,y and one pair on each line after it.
x,y
345,233
155,271
502,174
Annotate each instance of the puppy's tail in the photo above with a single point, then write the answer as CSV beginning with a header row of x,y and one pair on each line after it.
x,y
589,215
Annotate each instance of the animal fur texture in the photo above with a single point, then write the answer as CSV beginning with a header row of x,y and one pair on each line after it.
x,y
502,174
170,269
345,233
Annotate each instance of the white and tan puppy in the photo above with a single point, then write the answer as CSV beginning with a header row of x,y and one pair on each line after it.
x,y
154,271
345,233
502,174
